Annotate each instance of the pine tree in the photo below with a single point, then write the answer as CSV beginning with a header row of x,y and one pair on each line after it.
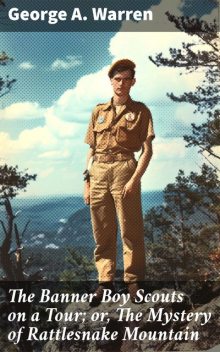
x,y
206,97
184,242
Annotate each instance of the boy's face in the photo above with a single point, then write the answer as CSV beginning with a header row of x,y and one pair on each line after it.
x,y
122,82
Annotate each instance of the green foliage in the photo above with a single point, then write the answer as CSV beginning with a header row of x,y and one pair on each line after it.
x,y
5,83
206,188
12,181
207,35
206,97
186,230
195,192
157,222
4,58
181,242
82,267
206,135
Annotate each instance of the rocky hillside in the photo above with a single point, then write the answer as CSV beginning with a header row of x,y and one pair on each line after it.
x,y
202,320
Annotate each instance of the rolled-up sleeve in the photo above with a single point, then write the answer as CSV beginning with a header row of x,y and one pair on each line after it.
x,y
147,128
150,129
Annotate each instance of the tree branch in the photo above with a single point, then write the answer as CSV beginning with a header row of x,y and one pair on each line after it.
x,y
25,228
215,167
209,151
3,226
19,271
206,214
208,42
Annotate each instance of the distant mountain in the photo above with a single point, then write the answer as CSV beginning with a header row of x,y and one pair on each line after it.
x,y
77,231
57,223
61,222
46,213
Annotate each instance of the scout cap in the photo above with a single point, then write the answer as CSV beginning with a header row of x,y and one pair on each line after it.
x,y
124,62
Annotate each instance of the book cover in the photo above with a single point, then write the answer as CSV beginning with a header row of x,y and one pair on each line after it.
x,y
54,62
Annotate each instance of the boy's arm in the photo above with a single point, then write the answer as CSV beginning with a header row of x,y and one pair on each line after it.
x,y
143,162
87,181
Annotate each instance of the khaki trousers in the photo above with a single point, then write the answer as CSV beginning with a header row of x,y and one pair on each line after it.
x,y
106,205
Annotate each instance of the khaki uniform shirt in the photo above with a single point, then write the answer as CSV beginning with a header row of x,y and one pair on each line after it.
x,y
122,133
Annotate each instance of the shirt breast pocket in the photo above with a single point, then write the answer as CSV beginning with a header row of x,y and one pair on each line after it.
x,y
127,136
101,134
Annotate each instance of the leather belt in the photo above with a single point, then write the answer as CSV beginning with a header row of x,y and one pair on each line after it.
x,y
111,158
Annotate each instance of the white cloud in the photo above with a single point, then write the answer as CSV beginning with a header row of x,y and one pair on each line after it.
x,y
63,132
164,171
169,148
61,129
22,111
52,246
47,172
152,82
55,154
36,137
71,61
75,105
28,140
26,65
4,146
185,114
217,149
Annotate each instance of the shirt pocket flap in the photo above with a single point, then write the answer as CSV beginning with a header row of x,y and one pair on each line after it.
x,y
99,127
131,125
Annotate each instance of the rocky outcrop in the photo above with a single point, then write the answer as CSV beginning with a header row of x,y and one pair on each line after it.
x,y
214,349
204,319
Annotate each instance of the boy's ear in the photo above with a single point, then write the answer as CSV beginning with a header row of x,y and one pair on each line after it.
x,y
133,81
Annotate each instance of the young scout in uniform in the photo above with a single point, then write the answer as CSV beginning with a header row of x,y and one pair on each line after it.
x,y
112,185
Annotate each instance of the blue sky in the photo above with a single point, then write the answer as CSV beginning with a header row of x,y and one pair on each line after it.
x,y
62,76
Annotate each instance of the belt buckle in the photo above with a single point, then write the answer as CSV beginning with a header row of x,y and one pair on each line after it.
x,y
110,158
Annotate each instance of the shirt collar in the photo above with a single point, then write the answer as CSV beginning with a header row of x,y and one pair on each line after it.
x,y
109,105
